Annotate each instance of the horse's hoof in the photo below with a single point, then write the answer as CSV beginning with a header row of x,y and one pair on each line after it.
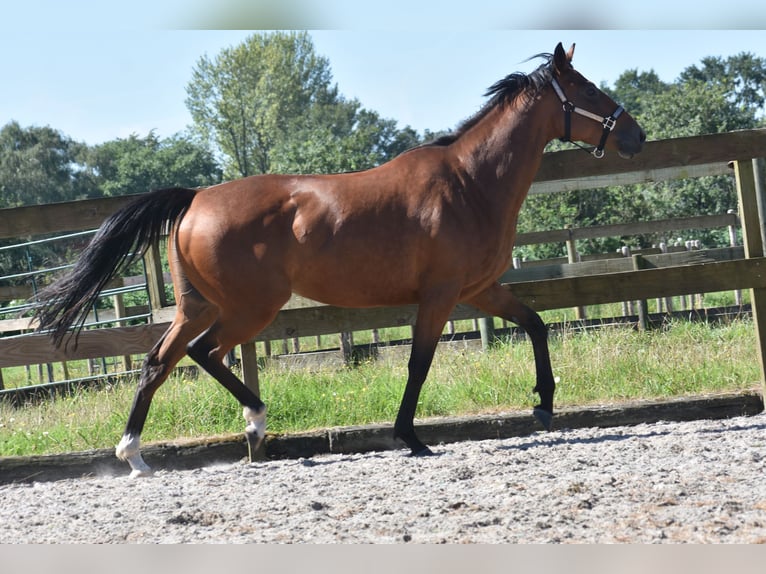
x,y
141,472
254,442
425,451
545,418
255,431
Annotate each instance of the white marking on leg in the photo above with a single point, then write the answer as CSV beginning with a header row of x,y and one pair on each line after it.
x,y
129,450
256,421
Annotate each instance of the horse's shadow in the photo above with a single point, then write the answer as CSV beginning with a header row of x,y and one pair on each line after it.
x,y
540,440
351,457
543,440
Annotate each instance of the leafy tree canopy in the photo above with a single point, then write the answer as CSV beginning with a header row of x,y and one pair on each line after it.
x,y
38,165
269,105
136,164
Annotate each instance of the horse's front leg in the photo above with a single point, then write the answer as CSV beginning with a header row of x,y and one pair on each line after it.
x,y
500,302
433,313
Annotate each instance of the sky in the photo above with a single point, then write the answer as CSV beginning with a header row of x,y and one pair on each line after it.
x,y
98,71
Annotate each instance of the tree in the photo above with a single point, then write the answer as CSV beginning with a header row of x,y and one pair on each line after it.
x,y
39,165
741,77
242,100
341,138
636,89
136,164
693,108
268,105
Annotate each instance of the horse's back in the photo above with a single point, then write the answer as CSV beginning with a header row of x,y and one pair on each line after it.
x,y
369,238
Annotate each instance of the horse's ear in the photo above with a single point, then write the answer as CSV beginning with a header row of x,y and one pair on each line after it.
x,y
563,60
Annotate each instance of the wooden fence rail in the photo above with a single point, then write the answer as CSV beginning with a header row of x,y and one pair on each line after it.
x,y
537,269
560,171
569,170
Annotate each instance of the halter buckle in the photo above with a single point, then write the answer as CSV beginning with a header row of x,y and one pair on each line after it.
x,y
609,123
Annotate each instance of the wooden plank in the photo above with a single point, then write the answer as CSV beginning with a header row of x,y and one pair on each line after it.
x,y
657,155
647,283
620,229
11,292
12,325
166,314
664,159
628,178
58,217
619,264
537,237
323,320
104,316
37,348
657,226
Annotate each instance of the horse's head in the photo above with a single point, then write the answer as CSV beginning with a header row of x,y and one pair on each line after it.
x,y
590,115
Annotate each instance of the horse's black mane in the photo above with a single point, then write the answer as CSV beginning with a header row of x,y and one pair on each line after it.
x,y
504,91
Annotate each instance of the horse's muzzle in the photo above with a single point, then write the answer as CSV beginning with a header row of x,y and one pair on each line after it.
x,y
629,145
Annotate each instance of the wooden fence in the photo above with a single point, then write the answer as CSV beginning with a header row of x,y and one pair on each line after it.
x,y
557,286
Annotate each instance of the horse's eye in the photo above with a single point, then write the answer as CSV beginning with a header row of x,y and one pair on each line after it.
x,y
591,91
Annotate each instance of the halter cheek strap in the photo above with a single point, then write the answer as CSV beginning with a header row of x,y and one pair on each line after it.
x,y
608,122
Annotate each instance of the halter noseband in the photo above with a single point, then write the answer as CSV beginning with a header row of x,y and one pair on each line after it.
x,y
608,122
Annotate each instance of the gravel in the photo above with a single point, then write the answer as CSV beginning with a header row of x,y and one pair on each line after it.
x,y
698,481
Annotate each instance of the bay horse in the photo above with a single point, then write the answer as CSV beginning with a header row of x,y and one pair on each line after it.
x,y
434,226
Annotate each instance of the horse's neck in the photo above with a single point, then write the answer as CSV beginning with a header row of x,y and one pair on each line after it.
x,y
502,153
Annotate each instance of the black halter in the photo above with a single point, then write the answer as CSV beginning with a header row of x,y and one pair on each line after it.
x,y
608,122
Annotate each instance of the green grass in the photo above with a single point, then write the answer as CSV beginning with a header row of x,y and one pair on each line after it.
x,y
595,367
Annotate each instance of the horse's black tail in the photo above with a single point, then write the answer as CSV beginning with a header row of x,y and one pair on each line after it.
x,y
121,239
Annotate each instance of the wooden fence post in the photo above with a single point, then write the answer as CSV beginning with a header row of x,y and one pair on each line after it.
x,y
745,174
759,185
119,313
627,306
574,257
155,283
250,366
733,243
347,347
643,309
250,378
487,332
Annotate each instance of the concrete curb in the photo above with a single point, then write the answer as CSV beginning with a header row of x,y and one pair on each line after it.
x,y
184,455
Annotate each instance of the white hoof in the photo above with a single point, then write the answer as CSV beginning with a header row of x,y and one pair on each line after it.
x,y
141,473
129,450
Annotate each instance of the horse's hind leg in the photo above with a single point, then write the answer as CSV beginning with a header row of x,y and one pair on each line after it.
x,y
194,314
209,353
500,302
209,350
